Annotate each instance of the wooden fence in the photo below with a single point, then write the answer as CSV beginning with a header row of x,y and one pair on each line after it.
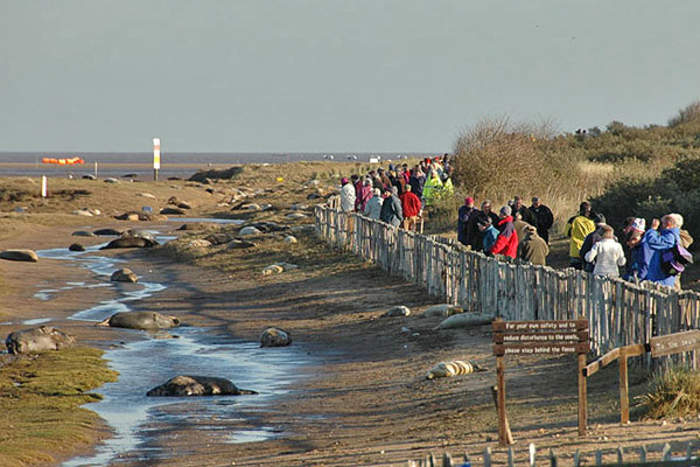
x,y
619,312
642,458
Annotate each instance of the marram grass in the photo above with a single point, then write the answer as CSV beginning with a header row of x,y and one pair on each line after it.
x,y
674,392
40,399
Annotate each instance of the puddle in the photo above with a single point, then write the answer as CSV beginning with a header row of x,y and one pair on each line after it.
x,y
31,322
210,220
146,363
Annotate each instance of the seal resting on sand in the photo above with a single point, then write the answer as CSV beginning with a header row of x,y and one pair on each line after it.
x,y
185,385
147,320
38,340
453,368
274,337
130,241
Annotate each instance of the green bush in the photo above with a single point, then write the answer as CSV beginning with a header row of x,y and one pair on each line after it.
x,y
677,189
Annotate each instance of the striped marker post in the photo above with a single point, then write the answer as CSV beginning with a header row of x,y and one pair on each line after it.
x,y
156,158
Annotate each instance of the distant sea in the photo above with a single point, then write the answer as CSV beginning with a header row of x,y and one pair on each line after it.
x,y
172,164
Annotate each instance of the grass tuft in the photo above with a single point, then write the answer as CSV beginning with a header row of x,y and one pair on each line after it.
x,y
674,392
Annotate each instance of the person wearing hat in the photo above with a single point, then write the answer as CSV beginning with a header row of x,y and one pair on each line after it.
x,y
544,217
507,240
577,228
465,213
591,239
532,247
347,195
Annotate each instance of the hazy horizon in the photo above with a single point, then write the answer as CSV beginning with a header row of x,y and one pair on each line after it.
x,y
330,76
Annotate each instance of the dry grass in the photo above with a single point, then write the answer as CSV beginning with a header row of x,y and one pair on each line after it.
x,y
674,392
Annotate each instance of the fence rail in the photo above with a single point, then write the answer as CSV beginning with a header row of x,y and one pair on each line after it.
x,y
619,312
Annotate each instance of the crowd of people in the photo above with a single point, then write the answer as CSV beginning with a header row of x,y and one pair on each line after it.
x,y
517,231
399,195
656,254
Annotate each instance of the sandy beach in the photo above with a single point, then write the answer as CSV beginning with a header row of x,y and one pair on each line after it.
x,y
361,396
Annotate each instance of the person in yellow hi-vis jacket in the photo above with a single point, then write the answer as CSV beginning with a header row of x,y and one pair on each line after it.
x,y
432,188
577,228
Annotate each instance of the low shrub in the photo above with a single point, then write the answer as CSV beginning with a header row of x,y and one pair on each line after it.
x,y
674,392
677,189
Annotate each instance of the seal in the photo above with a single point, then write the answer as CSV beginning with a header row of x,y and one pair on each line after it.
x,y
453,368
185,386
35,340
146,320
130,241
275,337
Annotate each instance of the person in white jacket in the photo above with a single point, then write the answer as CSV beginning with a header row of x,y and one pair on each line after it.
x,y
607,254
347,196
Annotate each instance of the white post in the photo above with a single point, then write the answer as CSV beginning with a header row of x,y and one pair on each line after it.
x,y
43,186
95,169
156,158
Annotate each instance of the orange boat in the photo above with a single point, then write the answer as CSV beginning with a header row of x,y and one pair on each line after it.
x,y
63,161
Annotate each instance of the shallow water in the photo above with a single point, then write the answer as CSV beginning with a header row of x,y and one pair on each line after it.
x,y
210,220
146,363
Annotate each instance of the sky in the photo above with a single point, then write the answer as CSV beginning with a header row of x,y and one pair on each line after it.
x,y
328,75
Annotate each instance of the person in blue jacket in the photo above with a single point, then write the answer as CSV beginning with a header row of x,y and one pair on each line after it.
x,y
489,232
659,241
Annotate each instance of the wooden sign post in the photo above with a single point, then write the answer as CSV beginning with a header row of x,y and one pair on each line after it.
x,y
537,338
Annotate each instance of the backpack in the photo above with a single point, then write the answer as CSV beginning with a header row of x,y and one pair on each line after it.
x,y
674,259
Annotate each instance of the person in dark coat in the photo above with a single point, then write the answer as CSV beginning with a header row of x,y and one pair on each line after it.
x,y
464,228
519,207
544,218
391,213
417,180
481,217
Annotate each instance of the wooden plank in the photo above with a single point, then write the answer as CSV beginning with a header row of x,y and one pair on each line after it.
x,y
501,388
537,349
519,336
551,325
508,433
624,389
582,397
602,362
675,343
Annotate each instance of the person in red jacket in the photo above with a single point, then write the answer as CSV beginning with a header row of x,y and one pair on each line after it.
x,y
411,205
507,240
